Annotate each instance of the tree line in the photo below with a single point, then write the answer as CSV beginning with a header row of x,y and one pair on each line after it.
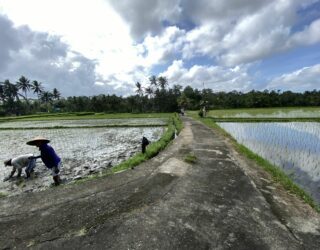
x,y
14,97
155,97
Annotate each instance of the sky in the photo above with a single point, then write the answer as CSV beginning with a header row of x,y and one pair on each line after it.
x,y
91,47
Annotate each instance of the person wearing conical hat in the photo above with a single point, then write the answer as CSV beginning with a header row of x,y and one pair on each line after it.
x,y
18,163
48,156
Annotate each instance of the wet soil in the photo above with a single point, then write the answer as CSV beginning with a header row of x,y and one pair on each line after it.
x,y
222,201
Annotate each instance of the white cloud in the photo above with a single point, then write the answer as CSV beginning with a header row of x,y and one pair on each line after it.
x,y
250,33
147,17
216,77
203,40
310,35
46,58
307,78
120,42
161,49
90,28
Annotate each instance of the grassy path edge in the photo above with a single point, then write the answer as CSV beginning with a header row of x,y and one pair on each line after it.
x,y
277,174
175,125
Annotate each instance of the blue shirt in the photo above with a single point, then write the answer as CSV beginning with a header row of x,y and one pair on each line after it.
x,y
49,156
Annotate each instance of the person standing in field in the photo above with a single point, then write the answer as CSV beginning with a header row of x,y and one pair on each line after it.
x,y
48,156
145,142
20,162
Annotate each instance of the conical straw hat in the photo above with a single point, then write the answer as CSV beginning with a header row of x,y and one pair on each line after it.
x,y
34,141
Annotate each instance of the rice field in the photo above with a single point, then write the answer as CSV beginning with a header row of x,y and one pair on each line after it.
x,y
84,123
311,112
84,151
292,146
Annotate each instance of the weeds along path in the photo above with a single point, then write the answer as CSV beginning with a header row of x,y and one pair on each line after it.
x,y
218,201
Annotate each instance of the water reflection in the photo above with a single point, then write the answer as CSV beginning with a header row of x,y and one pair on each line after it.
x,y
294,146
278,114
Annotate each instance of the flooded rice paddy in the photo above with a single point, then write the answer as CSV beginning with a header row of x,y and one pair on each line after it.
x,y
84,151
83,123
293,146
278,114
266,113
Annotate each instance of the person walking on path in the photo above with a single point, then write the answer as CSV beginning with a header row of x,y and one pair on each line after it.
x,y
48,156
18,163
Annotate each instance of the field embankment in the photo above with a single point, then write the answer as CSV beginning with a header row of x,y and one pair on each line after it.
x,y
216,201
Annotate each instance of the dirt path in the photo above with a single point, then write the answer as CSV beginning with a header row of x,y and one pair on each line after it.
x,y
220,202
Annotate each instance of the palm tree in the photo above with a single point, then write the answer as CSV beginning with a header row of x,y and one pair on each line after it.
x,y
10,90
56,94
149,91
2,91
24,85
153,81
46,97
163,82
139,89
37,88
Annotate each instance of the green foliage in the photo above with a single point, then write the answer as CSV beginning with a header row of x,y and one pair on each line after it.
x,y
154,148
83,115
190,158
262,114
177,123
200,113
156,97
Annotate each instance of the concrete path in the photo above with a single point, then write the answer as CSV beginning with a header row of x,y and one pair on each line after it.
x,y
223,201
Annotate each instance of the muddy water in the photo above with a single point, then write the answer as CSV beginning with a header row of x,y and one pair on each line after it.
x,y
83,151
83,123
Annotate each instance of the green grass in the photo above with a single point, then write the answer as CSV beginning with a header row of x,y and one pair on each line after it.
x,y
85,127
153,149
83,115
258,114
277,174
190,158
2,195
175,125
220,113
257,119
260,111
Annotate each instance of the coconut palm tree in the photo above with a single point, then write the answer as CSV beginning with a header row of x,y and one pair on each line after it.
x,y
139,89
37,88
2,91
24,85
10,90
153,82
149,91
56,94
163,82
46,97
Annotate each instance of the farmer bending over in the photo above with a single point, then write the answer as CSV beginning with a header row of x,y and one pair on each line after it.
x,y
18,163
48,156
